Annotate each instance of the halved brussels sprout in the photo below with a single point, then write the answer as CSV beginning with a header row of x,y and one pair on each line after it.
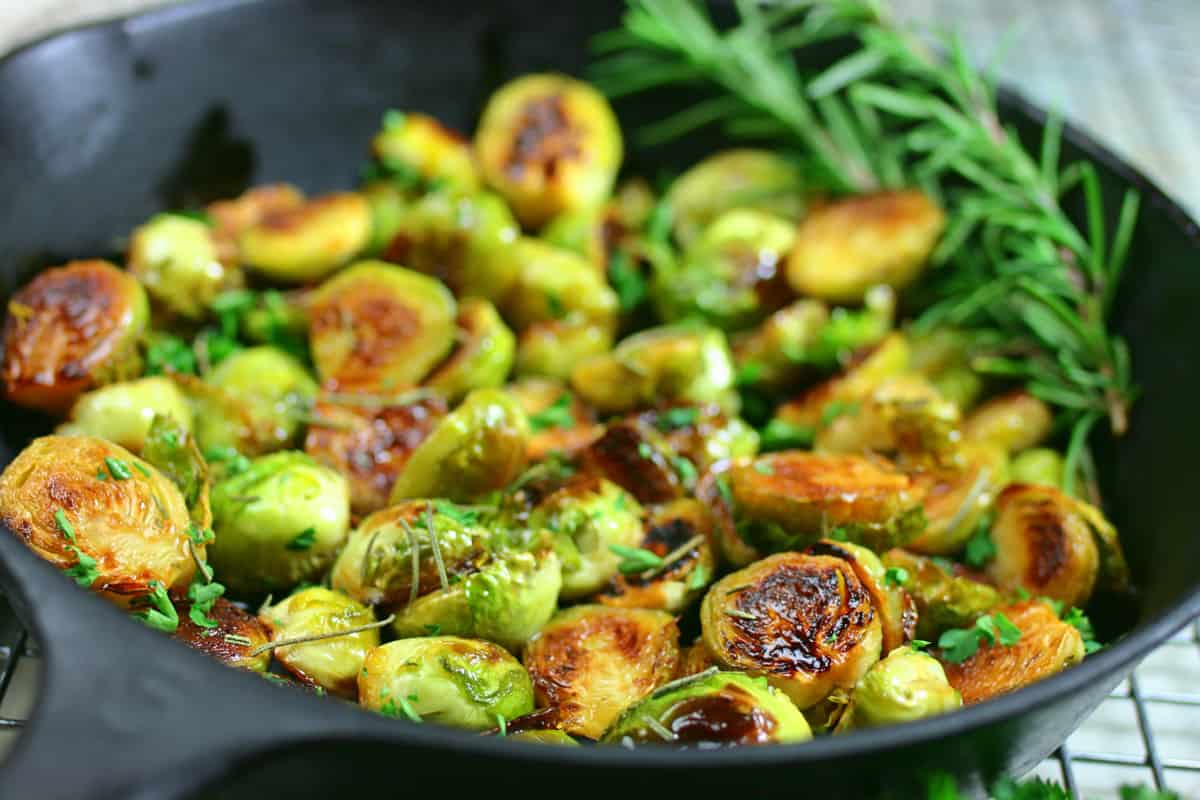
x,y
672,364
390,207
483,356
554,347
466,683
904,414
679,535
378,327
462,240
95,510
172,450
478,447
280,522
703,434
1038,465
958,494
122,412
596,232
944,599
589,663
732,275
231,640
332,664
1047,645
713,490
370,443
846,247
232,217
418,145
635,455
774,352
1015,421
176,259
590,518
555,284
720,708
254,400
558,421
548,143
70,329
788,500
905,686
695,659
741,178
805,622
308,242
895,607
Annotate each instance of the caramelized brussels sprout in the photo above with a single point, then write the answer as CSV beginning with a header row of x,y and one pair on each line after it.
x,y
466,683
679,536
1047,645
280,522
716,708
231,640
694,660
635,455
176,259
418,145
944,599
774,352
844,248
308,242
558,421
958,495
742,178
1015,421
904,415
1038,465
805,622
674,364
369,444
788,500
482,358
378,327
554,347
555,284
122,412
95,510
549,144
231,218
732,275
478,447
332,664
713,490
71,329
703,434
462,240
255,401
589,663
591,519
896,610
905,686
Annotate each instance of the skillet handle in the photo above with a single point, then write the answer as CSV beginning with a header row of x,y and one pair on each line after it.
x,y
121,713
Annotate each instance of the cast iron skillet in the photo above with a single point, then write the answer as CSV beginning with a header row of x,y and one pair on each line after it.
x,y
101,127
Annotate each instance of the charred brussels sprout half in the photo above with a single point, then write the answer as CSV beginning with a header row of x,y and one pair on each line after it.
x,y
483,357
278,523
944,598
905,686
227,633
332,664
416,147
176,259
308,242
376,327
465,683
893,604
123,412
548,143
71,329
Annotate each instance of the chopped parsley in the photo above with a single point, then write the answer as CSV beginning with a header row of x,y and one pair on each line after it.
x,y
141,469
763,468
645,451
1079,620
627,281
749,373
168,353
779,434
461,515
117,468
556,415
64,525
698,579
959,644
980,548
635,559
203,596
84,571
724,491
687,471
895,576
433,629
235,463
199,535
501,725
919,644
303,540
675,418
160,613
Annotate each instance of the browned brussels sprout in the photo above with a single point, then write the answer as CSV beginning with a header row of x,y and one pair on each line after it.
x,y
553,348
483,356
413,145
635,455
703,434
176,259
308,242
944,598
555,284
774,353
958,495
1015,421
907,685
895,607
231,640
232,217
558,421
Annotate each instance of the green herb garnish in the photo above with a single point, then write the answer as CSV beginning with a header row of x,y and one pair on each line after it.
x,y
556,415
303,540
64,525
675,418
980,548
635,559
895,576
160,614
117,468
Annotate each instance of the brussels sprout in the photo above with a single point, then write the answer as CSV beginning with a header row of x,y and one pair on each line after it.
x,y
255,401
176,259
231,640
1038,465
389,210
703,434
1015,421
732,276
905,686
788,500
844,248
122,412
681,363
589,663
589,231
558,421
635,455
370,443
231,218
277,318
465,683
478,447
591,519
743,178
713,490
71,329
307,243
714,708
958,494
1047,645
895,607
483,356
554,347
903,414
280,522
95,510
462,240
551,737
332,664
173,451
694,660
419,146
679,537
773,353
805,622
378,327
943,598
555,284
549,144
